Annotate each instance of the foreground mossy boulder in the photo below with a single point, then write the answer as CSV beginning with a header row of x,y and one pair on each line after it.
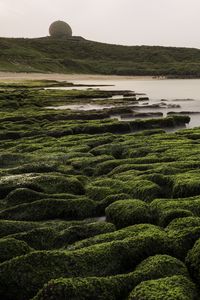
x,y
98,288
8,227
159,266
139,230
193,261
138,189
48,209
184,232
186,184
124,213
10,247
22,277
165,210
169,288
25,195
39,238
81,232
112,287
47,183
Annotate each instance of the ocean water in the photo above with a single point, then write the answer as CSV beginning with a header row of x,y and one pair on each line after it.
x,y
182,92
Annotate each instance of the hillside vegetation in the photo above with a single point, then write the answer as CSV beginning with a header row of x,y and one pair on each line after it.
x,y
83,56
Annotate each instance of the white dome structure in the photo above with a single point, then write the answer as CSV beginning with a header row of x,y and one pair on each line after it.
x,y
60,29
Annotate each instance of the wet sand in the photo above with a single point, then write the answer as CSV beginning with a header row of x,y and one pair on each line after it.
x,y
9,76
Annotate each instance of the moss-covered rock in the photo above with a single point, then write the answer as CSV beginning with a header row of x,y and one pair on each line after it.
x,y
118,235
8,227
48,209
193,261
143,189
159,266
138,189
169,288
25,195
186,185
81,232
112,287
165,210
101,205
124,213
22,277
39,238
10,247
170,214
50,183
183,233
102,188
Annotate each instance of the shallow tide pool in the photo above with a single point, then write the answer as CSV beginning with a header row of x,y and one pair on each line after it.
x,y
183,92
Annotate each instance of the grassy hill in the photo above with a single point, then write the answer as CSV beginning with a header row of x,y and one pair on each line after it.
x,y
83,56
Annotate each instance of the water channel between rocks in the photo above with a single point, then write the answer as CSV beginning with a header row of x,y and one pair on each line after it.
x,y
165,96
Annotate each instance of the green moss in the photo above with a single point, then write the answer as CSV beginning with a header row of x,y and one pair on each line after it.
x,y
183,232
165,210
106,167
10,247
169,288
139,189
101,206
171,214
90,288
42,183
143,189
39,238
62,169
10,227
186,185
81,232
159,266
135,230
51,209
25,195
112,287
128,212
100,189
22,277
193,261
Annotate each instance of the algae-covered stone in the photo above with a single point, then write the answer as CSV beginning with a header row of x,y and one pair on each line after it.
x,y
169,288
48,209
100,288
112,287
128,212
10,247
193,261
159,266
81,232
39,238
8,227
49,183
23,276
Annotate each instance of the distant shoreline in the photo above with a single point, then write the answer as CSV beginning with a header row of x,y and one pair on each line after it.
x,y
10,76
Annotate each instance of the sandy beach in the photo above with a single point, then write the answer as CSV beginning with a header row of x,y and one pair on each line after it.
x,y
9,76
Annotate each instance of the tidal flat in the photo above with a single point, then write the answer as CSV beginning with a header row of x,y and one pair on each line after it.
x,y
100,203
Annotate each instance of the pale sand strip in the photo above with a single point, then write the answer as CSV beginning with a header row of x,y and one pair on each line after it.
x,y
9,76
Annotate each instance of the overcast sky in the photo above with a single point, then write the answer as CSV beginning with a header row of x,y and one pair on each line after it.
x,y
128,22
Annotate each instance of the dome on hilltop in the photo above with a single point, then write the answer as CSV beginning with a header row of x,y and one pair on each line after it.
x,y
60,29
